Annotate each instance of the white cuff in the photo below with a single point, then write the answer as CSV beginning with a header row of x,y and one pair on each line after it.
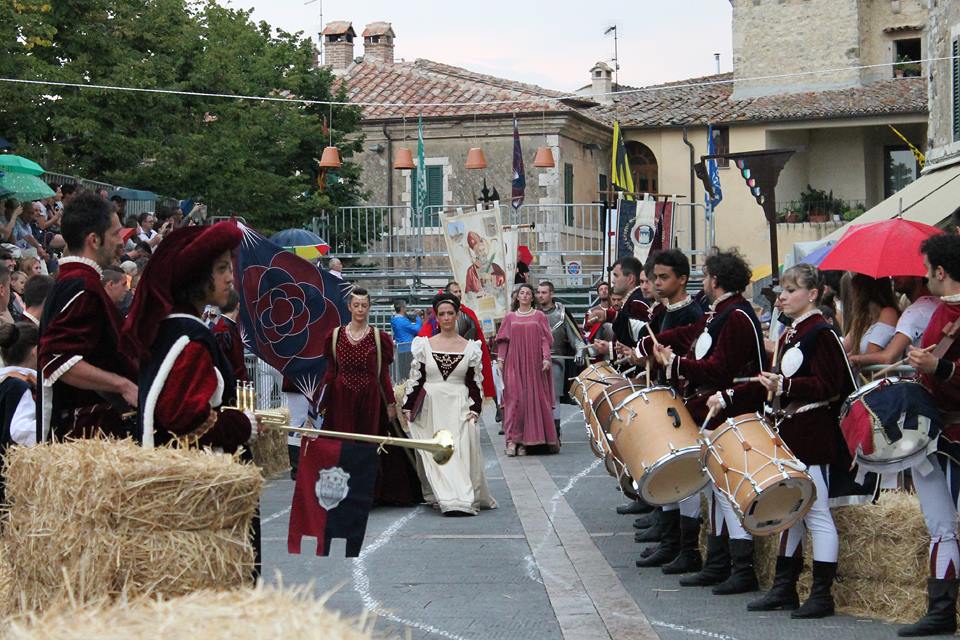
x,y
49,381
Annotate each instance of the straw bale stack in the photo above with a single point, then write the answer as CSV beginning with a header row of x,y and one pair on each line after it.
x,y
97,518
269,451
242,614
882,570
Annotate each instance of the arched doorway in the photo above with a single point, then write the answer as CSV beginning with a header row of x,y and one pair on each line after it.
x,y
643,166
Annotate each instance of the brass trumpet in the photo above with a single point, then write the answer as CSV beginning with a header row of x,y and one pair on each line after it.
x,y
440,445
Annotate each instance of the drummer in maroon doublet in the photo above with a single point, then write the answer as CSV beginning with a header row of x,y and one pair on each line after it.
x,y
630,320
227,333
358,398
724,344
678,526
940,373
85,383
814,379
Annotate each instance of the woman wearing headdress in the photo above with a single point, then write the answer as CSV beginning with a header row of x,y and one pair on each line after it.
x,y
444,392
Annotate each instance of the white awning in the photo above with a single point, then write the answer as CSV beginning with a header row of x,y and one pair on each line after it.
x,y
930,199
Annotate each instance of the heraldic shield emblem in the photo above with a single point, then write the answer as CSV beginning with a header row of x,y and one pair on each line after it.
x,y
332,487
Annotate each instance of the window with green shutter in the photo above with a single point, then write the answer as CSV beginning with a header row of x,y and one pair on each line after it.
x,y
568,192
434,192
956,89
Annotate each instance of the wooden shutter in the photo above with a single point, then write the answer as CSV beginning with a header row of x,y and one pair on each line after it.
x,y
434,194
568,192
413,189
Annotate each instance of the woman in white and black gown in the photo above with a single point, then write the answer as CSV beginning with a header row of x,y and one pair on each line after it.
x,y
444,391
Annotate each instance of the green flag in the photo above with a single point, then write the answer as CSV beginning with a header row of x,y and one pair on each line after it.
x,y
622,178
421,185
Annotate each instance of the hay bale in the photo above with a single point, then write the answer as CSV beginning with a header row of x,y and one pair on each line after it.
x,y
883,563
270,453
96,518
232,615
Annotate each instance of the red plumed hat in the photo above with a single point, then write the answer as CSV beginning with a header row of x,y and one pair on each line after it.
x,y
178,261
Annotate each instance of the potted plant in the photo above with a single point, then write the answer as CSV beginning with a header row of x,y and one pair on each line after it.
x,y
814,203
906,67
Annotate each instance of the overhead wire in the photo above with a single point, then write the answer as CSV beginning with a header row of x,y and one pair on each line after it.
x,y
525,100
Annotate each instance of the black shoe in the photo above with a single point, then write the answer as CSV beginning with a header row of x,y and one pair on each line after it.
x,y
715,569
743,577
645,521
634,508
499,416
654,533
820,602
688,560
669,545
649,551
941,616
783,593
556,425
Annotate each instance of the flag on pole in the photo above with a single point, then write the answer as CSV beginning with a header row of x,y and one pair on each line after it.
x,y
519,183
622,179
421,185
713,174
288,307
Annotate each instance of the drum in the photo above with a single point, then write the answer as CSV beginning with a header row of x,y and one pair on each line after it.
x,y
586,388
654,436
769,488
890,425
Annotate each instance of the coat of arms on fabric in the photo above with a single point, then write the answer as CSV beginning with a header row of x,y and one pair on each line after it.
x,y
333,494
287,308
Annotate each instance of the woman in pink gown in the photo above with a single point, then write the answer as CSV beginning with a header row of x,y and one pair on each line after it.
x,y
523,353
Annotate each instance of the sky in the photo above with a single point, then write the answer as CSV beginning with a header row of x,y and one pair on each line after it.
x,y
553,44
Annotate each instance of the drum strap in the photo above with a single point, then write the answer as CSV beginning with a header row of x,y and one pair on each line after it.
x,y
949,335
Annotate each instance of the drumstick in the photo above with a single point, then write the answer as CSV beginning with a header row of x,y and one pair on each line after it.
x,y
776,354
710,414
883,372
744,379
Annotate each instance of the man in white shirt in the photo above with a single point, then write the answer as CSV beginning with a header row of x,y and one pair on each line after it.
x,y
911,325
335,267
34,295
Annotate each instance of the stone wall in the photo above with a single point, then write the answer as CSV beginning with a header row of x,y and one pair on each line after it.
x,y
944,29
772,37
882,23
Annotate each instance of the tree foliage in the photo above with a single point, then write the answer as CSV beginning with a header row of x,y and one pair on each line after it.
x,y
253,157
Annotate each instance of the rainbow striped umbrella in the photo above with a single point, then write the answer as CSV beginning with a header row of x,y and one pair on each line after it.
x,y
302,242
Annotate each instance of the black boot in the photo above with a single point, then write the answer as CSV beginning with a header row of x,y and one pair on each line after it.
x,y
669,545
556,425
820,602
645,521
636,507
783,593
941,614
688,560
716,569
743,577
654,533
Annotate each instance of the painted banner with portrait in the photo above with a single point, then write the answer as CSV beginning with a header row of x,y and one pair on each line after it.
x,y
480,263
644,225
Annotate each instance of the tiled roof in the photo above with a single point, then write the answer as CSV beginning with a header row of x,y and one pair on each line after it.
x,y
678,103
424,81
378,29
668,105
337,27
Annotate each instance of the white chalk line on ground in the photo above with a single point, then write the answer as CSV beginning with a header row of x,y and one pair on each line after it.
x,y
361,580
533,569
681,628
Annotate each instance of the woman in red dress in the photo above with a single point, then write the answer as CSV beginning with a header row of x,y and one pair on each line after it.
x,y
358,397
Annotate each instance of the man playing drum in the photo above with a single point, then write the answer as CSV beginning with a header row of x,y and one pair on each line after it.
x,y
805,398
939,373
679,550
724,344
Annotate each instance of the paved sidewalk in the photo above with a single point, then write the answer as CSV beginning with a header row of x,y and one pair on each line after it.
x,y
553,561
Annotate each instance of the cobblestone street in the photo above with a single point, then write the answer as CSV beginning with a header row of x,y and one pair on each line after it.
x,y
553,561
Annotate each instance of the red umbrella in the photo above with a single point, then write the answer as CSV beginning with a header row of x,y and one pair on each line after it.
x,y
881,249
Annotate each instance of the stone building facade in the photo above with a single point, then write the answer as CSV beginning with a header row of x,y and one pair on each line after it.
x,y
943,42
773,38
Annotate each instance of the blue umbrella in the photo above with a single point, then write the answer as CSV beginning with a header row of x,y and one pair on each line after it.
x,y
816,256
133,194
305,244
